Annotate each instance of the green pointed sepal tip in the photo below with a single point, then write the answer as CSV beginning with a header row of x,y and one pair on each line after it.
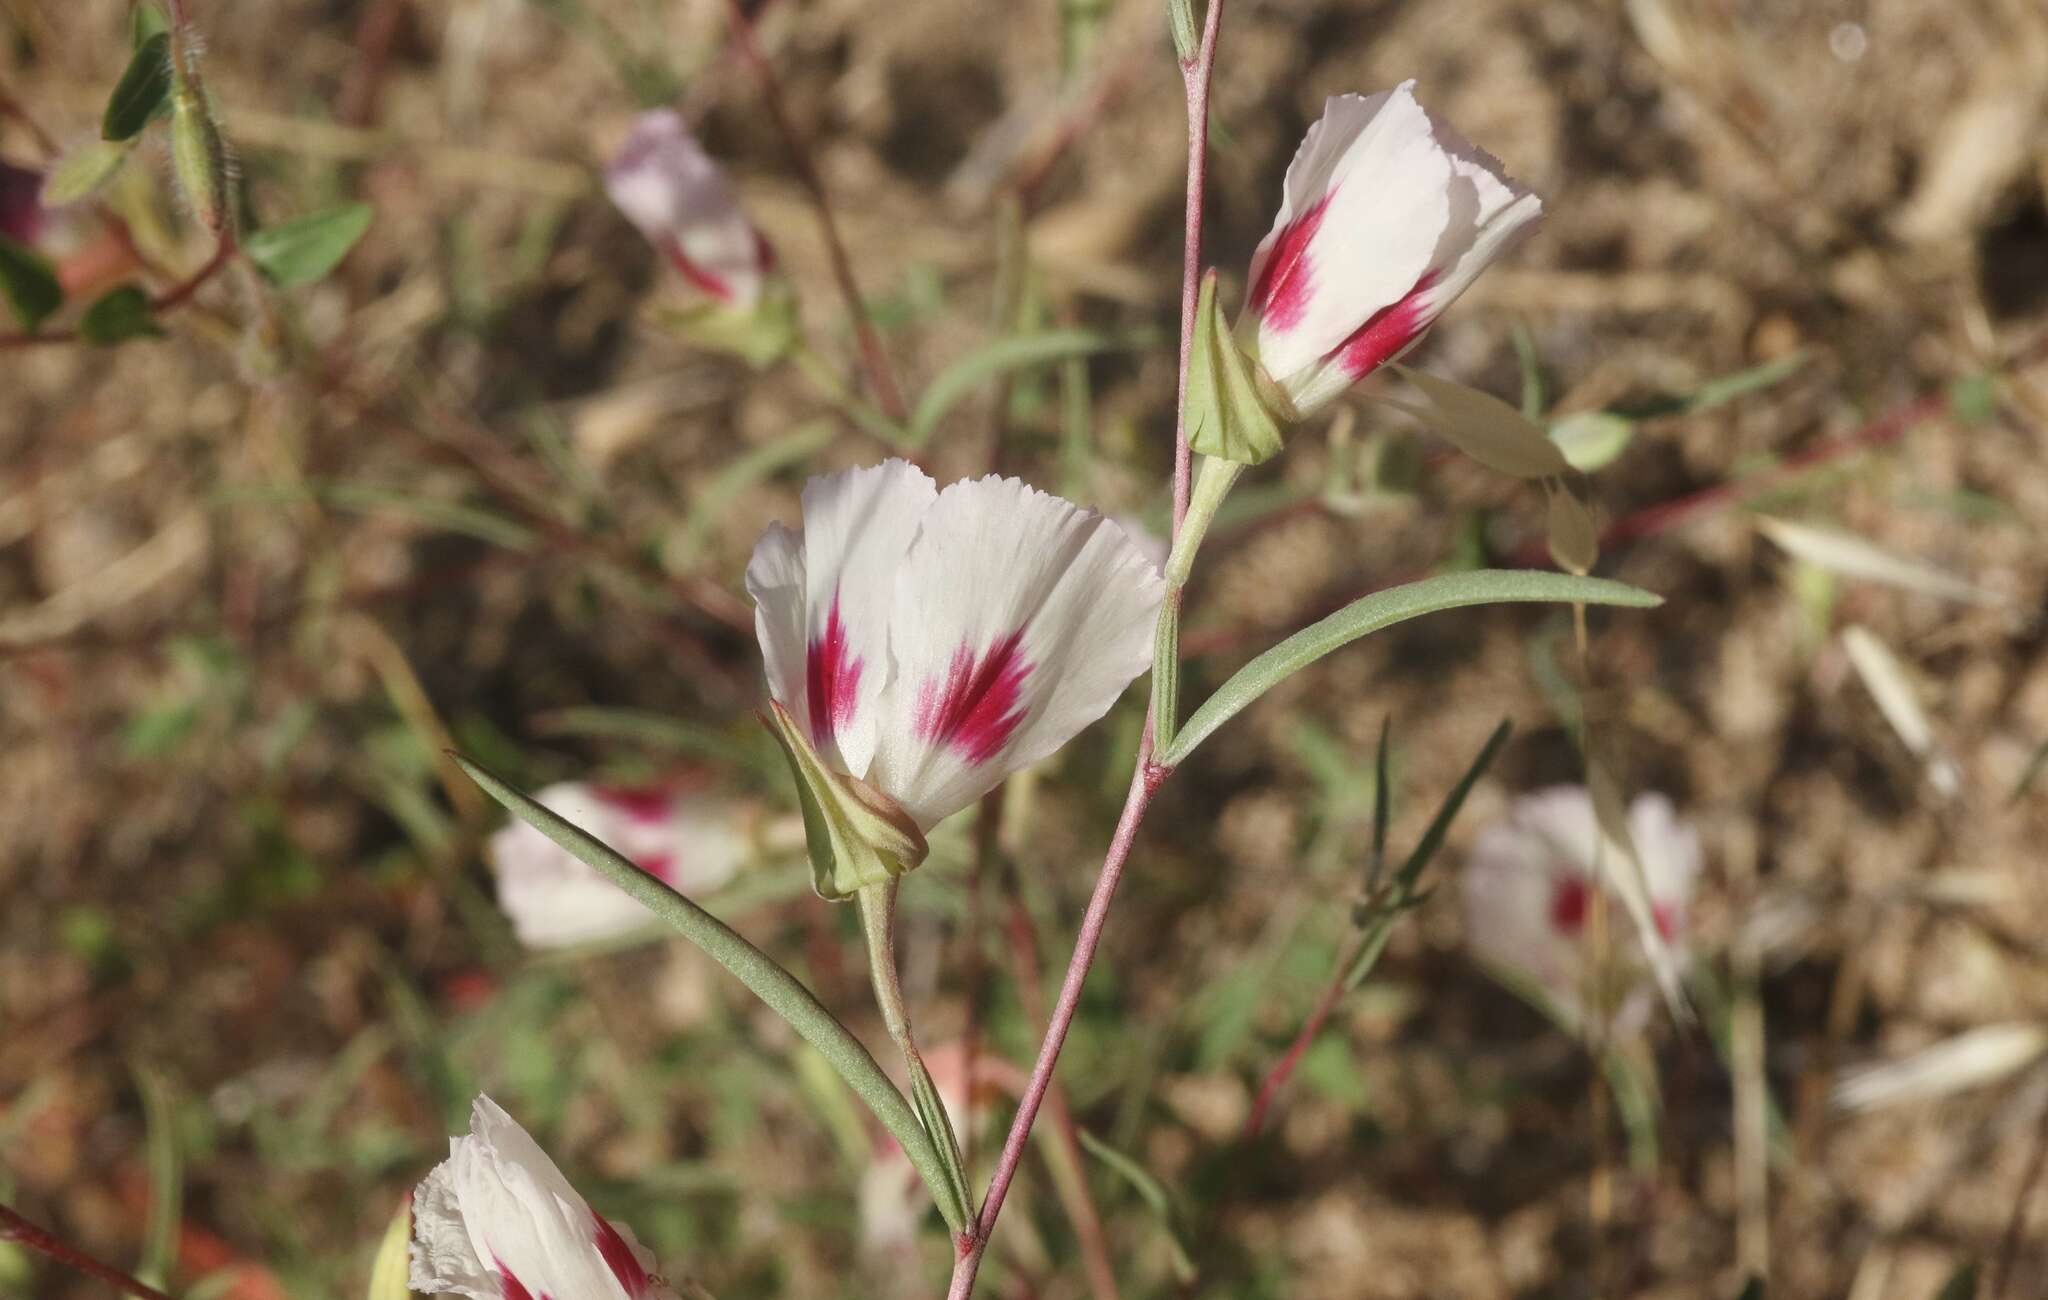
x,y
856,835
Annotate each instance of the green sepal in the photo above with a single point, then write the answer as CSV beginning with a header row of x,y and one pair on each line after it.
x,y
1234,411
760,335
856,835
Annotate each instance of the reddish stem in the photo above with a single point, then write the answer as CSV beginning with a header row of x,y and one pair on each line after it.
x,y
17,1229
1081,1208
1283,1070
970,1246
169,300
874,359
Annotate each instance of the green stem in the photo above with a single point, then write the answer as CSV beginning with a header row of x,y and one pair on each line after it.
x,y
760,973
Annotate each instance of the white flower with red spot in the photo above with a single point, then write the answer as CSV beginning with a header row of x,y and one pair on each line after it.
x,y
694,844
932,643
1387,216
497,1221
666,185
1529,889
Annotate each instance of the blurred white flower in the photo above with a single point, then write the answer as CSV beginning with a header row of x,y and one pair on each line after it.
x,y
1387,216
497,1221
694,844
1528,890
932,643
665,184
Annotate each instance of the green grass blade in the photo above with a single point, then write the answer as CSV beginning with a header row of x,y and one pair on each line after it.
x,y
762,975
1383,609
1017,352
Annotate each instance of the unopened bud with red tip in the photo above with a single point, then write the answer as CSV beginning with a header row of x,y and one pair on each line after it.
x,y
1388,215
679,198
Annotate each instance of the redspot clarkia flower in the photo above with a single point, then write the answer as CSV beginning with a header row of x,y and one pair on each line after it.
x,y
693,844
931,643
666,185
1388,214
497,1221
1529,887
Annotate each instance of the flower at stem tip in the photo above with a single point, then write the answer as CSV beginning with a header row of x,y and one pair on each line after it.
x,y
922,645
497,1221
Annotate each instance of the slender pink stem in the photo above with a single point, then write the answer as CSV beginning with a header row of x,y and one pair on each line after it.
x,y
1283,1070
1195,75
1146,778
1144,783
17,1229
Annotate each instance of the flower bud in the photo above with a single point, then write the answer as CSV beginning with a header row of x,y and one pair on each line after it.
x,y
667,186
1388,215
199,156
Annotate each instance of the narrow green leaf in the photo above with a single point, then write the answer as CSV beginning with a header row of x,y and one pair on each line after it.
x,y
707,506
1716,392
166,1178
142,91
29,283
762,975
1440,825
1017,352
305,249
2030,773
1382,799
1166,671
388,1269
1383,609
931,1110
117,316
1151,1191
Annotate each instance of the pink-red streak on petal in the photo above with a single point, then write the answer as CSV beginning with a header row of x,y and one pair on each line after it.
x,y
977,707
831,679
1282,293
619,1256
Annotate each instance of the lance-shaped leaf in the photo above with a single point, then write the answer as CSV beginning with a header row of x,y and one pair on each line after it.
x,y
1231,405
1591,440
762,975
1383,609
142,91
83,171
1573,536
1482,426
305,249
856,835
117,316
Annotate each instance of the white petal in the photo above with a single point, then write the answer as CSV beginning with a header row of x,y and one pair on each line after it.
x,y
1367,203
823,599
1489,211
666,185
1020,618
554,900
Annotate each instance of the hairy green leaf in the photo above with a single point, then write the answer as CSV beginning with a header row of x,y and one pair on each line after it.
x,y
144,88
305,249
